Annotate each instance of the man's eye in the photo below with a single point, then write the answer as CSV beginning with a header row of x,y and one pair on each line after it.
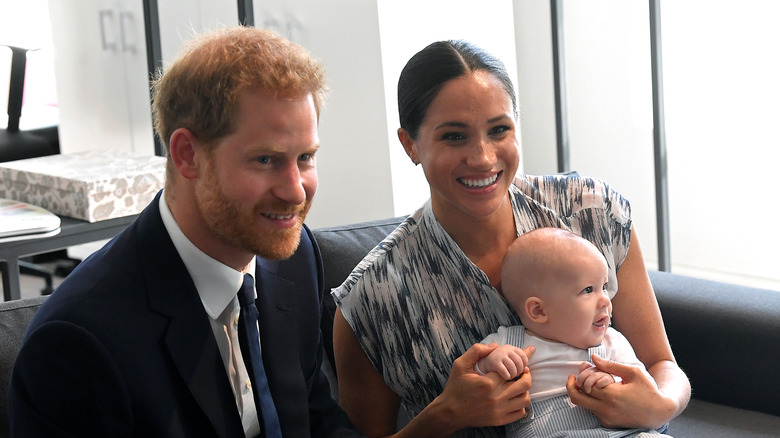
x,y
264,160
305,157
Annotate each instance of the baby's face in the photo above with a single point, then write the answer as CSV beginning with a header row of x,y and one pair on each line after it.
x,y
578,305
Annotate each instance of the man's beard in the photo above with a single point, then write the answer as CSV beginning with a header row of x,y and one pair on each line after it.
x,y
228,222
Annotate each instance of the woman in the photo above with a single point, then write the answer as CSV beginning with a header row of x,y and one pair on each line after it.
x,y
411,312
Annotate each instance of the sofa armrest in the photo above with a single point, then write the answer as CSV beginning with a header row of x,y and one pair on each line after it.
x,y
725,337
15,316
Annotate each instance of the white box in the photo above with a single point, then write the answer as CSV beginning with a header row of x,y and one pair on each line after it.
x,y
91,186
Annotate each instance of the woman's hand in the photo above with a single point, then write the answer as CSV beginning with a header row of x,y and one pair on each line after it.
x,y
636,398
468,399
473,400
591,377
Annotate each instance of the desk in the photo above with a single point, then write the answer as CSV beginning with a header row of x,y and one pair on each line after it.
x,y
73,232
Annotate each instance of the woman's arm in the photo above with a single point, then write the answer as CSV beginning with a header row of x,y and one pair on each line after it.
x,y
637,403
468,399
363,394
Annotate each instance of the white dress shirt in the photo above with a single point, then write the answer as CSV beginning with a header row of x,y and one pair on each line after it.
x,y
217,286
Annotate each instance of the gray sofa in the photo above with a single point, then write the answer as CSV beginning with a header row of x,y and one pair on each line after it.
x,y
726,337
15,316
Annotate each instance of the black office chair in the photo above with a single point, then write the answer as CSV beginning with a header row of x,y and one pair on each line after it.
x,y
18,145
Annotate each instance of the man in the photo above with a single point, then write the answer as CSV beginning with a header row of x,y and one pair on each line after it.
x,y
142,339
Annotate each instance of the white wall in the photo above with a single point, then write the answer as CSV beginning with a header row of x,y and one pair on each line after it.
x,y
721,77
353,164
180,20
610,103
535,85
609,98
721,89
101,76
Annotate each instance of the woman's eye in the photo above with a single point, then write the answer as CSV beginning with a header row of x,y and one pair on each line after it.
x,y
500,130
453,136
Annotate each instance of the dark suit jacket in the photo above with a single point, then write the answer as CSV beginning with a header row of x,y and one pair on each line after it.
x,y
124,348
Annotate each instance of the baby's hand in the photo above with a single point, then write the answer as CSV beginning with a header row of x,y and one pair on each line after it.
x,y
591,377
506,360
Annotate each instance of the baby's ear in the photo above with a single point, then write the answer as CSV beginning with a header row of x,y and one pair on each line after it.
x,y
534,308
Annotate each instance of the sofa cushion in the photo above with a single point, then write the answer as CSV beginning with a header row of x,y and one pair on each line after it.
x,y
710,420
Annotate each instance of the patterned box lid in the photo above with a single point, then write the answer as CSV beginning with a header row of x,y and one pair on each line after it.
x,y
86,185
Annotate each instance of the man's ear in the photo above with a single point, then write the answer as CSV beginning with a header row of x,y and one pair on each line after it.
x,y
408,144
183,148
534,309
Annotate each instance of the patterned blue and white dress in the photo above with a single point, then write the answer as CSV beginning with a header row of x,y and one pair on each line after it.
x,y
416,302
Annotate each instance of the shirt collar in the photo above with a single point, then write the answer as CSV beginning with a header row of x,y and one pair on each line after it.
x,y
217,284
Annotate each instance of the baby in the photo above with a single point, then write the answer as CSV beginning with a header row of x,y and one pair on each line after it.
x,y
556,281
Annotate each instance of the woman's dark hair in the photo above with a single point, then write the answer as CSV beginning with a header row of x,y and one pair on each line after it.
x,y
429,69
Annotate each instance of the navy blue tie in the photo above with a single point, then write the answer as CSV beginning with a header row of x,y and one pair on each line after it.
x,y
250,349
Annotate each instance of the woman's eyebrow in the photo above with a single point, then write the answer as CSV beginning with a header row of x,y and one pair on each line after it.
x,y
452,125
498,118
465,125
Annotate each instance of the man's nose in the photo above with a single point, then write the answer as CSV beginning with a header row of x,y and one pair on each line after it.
x,y
289,186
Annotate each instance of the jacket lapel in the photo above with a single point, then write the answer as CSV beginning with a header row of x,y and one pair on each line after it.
x,y
275,301
196,355
289,314
190,339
